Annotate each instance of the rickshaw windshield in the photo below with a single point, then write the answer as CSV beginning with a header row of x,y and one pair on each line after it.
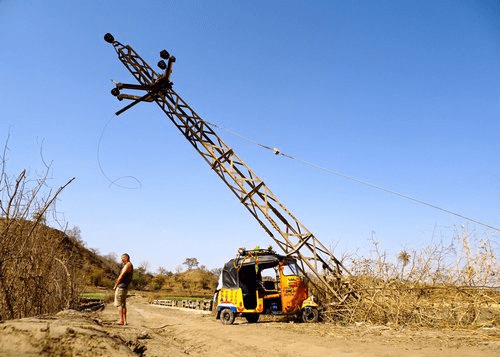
x,y
290,268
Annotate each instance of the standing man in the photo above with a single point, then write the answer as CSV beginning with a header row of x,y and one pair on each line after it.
x,y
121,288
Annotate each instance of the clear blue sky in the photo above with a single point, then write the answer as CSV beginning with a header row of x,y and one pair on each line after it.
x,y
402,94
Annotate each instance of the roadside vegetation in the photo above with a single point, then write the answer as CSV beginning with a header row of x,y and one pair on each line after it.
x,y
44,270
193,283
441,285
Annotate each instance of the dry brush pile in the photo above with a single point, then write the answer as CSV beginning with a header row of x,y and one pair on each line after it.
x,y
37,273
439,286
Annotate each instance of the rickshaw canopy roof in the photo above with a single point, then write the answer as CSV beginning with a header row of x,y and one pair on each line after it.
x,y
229,275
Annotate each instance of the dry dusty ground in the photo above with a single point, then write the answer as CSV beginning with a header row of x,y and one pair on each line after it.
x,y
160,331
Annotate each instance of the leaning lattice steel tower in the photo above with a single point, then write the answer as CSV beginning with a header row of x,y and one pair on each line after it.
x,y
291,236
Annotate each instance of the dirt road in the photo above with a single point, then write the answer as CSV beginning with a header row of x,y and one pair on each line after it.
x,y
161,331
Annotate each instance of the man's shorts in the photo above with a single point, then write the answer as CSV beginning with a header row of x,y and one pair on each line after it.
x,y
121,297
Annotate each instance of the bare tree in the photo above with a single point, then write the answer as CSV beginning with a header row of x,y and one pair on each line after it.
x,y
36,269
144,266
113,257
76,234
191,263
163,271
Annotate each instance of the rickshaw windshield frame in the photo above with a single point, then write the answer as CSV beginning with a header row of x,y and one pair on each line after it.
x,y
290,268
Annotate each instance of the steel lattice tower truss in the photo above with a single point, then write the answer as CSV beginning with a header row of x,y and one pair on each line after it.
x,y
292,237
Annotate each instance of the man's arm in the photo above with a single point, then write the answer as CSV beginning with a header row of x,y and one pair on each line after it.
x,y
126,268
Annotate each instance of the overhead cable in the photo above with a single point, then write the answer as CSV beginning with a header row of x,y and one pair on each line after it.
x,y
363,182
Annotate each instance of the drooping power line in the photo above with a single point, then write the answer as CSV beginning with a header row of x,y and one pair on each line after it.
x,y
113,182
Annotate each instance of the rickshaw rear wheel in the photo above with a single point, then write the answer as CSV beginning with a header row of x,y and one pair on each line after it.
x,y
227,317
253,318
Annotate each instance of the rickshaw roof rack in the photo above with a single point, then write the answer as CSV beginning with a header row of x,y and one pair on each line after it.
x,y
257,251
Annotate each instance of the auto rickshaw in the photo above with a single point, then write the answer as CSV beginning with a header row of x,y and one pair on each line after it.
x,y
260,281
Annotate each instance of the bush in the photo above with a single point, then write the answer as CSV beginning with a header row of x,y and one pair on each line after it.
x,y
437,286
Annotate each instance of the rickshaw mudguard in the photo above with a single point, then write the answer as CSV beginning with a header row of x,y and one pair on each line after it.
x,y
309,302
226,305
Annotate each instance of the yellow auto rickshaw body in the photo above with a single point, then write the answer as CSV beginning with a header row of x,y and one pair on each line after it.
x,y
245,292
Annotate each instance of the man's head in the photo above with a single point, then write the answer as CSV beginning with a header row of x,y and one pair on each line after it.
x,y
125,258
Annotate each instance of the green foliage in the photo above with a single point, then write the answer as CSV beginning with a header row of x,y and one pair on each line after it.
x,y
93,296
96,276
156,283
141,278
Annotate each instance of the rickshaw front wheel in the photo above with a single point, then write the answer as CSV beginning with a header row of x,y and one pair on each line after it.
x,y
310,314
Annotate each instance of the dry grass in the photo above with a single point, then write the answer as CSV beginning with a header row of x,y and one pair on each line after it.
x,y
438,286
